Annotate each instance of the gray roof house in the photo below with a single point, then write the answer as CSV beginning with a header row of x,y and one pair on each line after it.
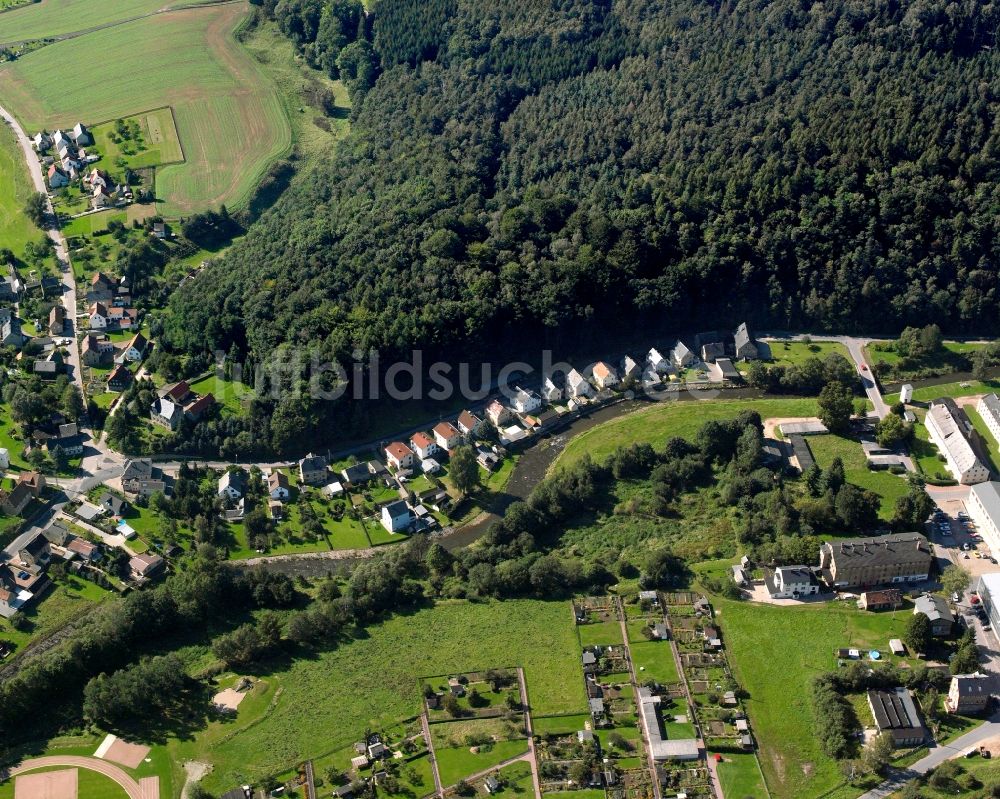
x,y
745,347
233,484
10,333
936,609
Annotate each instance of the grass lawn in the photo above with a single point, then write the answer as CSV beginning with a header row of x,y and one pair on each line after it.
x,y
7,440
16,229
925,453
228,114
328,700
964,388
457,762
585,793
152,140
92,224
657,423
66,600
601,632
654,661
777,677
516,781
740,777
790,353
230,394
558,725
888,486
991,443
90,785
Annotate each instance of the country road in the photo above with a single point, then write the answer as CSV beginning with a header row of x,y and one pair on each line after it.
x,y
59,242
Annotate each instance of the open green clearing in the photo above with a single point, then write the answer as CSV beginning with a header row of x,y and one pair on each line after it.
x,y
658,423
92,224
888,486
325,702
777,676
654,660
740,777
600,632
230,394
790,353
964,388
229,117
986,771
951,358
16,229
516,780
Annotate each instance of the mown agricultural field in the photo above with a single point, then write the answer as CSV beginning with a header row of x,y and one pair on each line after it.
x,y
228,114
16,229
51,18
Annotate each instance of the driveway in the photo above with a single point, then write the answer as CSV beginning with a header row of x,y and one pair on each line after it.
x,y
937,755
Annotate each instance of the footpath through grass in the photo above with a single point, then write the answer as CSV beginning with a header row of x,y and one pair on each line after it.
x,y
656,423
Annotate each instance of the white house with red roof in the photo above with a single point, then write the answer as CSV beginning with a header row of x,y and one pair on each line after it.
x,y
424,445
447,435
399,455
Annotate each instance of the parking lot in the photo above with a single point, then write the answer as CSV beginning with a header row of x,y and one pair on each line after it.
x,y
955,536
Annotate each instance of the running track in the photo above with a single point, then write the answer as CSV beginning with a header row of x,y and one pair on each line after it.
x,y
146,788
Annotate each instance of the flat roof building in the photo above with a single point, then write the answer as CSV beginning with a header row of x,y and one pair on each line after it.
x,y
983,506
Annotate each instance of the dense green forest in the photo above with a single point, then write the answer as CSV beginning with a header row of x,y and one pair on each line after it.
x,y
558,173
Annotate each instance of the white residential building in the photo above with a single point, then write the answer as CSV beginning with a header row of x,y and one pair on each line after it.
x,y
989,408
630,369
983,506
604,375
577,386
551,391
951,438
906,393
657,362
525,401
681,355
792,581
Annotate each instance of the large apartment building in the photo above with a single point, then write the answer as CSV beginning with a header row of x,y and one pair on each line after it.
x,y
983,506
949,430
989,408
884,559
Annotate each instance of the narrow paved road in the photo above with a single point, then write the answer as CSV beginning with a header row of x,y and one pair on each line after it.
x,y
936,757
58,240
134,789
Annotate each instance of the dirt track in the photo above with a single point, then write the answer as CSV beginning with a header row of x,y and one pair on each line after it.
x,y
147,789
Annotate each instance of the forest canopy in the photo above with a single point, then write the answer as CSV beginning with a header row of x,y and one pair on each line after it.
x,y
557,173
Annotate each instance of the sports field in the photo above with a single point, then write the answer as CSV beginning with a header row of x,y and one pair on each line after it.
x,y
51,18
229,117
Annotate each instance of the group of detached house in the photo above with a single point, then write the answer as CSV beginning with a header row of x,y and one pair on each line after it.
x,y
232,488
67,160
396,516
49,361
